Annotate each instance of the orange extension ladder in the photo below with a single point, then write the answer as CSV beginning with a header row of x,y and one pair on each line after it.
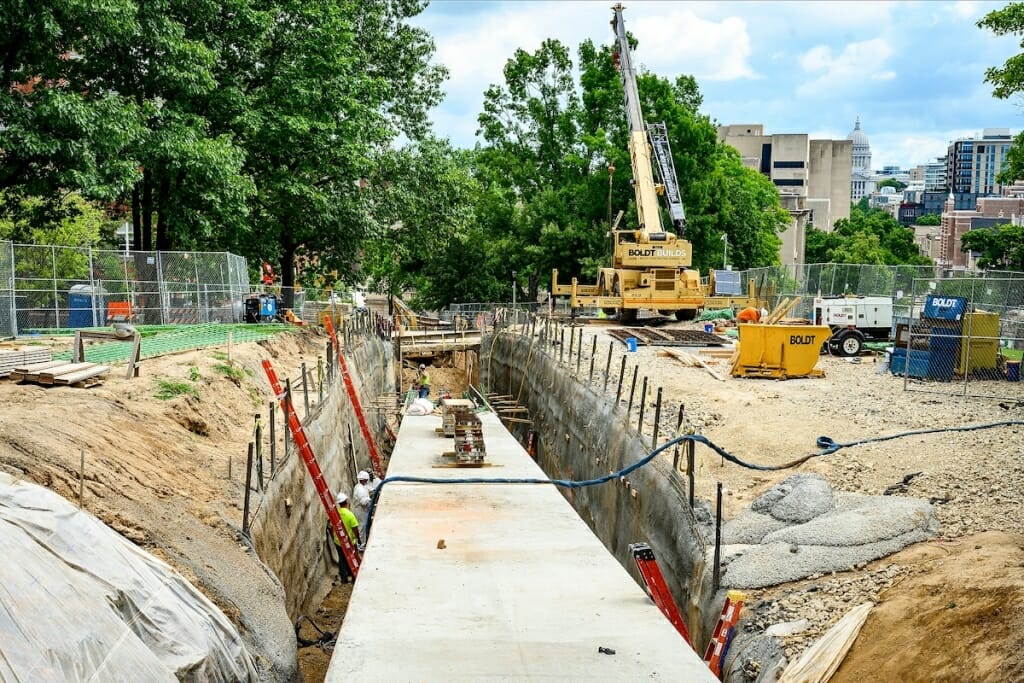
x,y
315,473
720,639
657,588
354,397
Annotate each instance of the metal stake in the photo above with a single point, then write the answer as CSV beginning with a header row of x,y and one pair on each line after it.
x,y
718,538
305,391
643,405
607,367
273,437
657,419
632,390
691,449
579,353
561,344
248,482
618,387
679,424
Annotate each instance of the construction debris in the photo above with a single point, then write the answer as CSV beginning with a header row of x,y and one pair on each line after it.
x,y
692,361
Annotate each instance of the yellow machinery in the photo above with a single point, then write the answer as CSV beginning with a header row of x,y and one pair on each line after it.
x,y
779,351
650,266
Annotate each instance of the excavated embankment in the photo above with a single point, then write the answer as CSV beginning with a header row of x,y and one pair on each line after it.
x,y
582,435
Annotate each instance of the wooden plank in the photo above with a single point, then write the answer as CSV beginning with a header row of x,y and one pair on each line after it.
x,y
47,376
79,376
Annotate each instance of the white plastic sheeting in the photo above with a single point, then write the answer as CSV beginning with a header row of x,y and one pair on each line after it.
x,y
79,602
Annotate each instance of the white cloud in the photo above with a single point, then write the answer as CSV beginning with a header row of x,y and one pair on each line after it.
x,y
843,73
681,42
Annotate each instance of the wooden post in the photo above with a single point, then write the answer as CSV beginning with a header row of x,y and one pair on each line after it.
x,y
248,483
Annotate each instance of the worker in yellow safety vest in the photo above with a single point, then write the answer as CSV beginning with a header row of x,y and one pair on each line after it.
x,y
424,381
348,519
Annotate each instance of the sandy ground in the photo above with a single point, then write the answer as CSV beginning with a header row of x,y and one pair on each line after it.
x,y
949,610
958,596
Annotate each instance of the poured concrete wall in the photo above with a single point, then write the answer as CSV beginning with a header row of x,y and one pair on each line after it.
x,y
582,436
288,527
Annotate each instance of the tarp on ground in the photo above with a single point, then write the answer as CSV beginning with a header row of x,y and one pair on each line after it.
x,y
79,602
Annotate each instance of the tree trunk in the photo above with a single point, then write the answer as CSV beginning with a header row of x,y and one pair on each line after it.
x,y
164,242
531,295
147,210
287,269
136,217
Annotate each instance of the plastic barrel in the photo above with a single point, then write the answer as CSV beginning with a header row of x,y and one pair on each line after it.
x,y
631,343
709,328
1013,370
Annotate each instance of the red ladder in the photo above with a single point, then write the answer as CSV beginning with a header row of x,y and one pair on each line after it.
x,y
374,455
657,588
720,639
315,473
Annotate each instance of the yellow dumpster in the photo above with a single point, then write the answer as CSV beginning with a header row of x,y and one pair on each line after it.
x,y
779,351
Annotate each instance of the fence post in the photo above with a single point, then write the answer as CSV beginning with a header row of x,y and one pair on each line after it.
x,y
92,290
56,299
14,297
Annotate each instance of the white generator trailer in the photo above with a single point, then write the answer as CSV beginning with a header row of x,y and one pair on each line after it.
x,y
854,320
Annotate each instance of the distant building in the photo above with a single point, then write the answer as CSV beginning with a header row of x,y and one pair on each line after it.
x,y
972,165
861,184
887,199
812,176
989,212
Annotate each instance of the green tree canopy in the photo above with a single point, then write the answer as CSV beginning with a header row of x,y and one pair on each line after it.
x,y
1008,80
929,219
872,237
1001,247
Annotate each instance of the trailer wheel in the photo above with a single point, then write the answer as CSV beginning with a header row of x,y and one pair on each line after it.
x,y
686,314
849,344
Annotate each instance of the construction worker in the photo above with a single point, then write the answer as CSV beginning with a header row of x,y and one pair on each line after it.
x,y
348,519
749,315
361,497
424,381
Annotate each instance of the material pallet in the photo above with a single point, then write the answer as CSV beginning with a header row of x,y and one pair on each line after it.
x,y
61,372
11,359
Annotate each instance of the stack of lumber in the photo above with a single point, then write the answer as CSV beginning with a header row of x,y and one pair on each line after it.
x,y
61,372
13,358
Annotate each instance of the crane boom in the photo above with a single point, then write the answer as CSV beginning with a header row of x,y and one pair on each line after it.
x,y
647,210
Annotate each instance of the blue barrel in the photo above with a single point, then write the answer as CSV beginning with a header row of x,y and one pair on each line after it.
x,y
1013,370
631,343
709,327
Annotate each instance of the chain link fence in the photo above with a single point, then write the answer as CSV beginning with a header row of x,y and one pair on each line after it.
x,y
964,337
52,287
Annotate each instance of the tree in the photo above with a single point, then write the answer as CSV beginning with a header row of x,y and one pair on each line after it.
x,y
893,183
337,81
1008,80
1001,246
929,219
871,237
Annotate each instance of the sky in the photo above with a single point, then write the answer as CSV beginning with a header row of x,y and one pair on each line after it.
x,y
912,71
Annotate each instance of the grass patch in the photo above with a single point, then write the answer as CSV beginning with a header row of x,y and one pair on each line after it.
x,y
219,355
233,372
169,388
1012,354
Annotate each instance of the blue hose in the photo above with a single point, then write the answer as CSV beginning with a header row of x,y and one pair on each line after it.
x,y
827,444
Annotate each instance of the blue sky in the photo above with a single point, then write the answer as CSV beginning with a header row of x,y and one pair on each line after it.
x,y
912,71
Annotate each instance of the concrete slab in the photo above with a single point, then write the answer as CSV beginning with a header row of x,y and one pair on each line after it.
x,y
519,589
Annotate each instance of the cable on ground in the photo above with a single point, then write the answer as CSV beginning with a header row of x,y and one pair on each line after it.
x,y
827,444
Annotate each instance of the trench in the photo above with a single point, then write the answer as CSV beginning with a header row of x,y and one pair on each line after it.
x,y
580,433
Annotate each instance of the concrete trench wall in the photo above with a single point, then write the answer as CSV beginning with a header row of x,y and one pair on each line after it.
x,y
583,436
288,526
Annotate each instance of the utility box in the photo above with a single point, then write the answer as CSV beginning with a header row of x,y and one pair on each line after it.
x,y
950,308
979,345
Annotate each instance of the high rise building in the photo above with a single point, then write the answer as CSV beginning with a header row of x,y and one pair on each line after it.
x,y
972,165
812,176
861,183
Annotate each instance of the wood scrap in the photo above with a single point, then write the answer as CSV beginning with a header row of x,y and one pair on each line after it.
x,y
81,375
820,661
47,376
692,361
781,310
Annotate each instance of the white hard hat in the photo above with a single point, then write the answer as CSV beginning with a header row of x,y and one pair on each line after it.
x,y
342,498
422,366
362,475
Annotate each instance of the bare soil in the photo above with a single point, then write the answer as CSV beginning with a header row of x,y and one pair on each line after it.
x,y
169,475
948,610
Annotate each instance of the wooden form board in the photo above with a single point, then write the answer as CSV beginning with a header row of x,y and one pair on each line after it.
x,y
61,372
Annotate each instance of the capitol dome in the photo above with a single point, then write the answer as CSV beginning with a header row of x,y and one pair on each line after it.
x,y
857,136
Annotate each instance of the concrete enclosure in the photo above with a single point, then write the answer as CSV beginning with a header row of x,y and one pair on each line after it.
x,y
582,435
